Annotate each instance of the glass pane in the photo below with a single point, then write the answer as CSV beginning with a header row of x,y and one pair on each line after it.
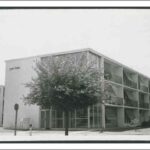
x,y
96,117
42,119
53,119
72,123
53,114
91,117
72,114
81,123
111,117
47,119
72,119
59,114
53,123
59,123
82,113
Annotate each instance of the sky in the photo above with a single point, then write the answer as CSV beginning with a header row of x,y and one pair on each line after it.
x,y
121,34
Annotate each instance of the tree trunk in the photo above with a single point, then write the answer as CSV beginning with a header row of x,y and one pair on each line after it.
x,y
66,122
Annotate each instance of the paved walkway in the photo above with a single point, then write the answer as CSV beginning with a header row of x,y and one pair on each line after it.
x,y
140,134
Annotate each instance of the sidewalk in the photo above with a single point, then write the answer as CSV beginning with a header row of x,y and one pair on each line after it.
x,y
37,135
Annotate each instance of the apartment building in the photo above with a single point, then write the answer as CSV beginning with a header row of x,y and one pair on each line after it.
x,y
129,95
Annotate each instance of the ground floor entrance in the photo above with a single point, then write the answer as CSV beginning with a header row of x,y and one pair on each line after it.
x,y
81,118
111,117
90,117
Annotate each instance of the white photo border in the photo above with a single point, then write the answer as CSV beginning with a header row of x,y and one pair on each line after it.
x,y
129,4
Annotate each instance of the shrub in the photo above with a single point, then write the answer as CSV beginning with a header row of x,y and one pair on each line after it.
x,y
145,124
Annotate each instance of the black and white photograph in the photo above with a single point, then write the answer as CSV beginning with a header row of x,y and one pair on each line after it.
x,y
75,74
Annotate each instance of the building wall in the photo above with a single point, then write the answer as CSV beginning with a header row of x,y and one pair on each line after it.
x,y
122,109
19,72
134,103
1,103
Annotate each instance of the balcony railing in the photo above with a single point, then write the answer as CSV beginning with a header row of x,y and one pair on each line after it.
x,y
129,82
143,88
115,100
144,105
112,77
130,102
129,116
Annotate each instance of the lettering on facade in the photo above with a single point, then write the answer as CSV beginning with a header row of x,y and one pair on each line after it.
x,y
14,68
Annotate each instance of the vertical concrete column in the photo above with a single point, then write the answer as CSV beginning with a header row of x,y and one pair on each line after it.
x,y
120,116
122,85
103,87
88,117
138,91
121,113
75,113
139,100
137,115
103,115
39,118
50,119
87,57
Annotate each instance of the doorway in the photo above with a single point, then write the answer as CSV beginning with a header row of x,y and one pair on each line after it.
x,y
45,119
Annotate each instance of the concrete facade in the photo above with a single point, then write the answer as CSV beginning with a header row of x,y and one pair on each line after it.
x,y
129,96
19,72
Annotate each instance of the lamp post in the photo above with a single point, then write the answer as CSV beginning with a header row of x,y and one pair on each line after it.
x,y
16,107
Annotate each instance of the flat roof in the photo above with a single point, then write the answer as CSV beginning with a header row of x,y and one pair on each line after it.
x,y
51,54
81,50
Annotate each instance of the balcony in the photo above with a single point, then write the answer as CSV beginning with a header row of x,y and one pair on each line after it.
x,y
143,83
130,115
130,98
112,71
143,88
114,100
143,100
112,77
130,102
144,105
128,81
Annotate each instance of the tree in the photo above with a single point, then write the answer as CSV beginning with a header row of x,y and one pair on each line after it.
x,y
65,84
